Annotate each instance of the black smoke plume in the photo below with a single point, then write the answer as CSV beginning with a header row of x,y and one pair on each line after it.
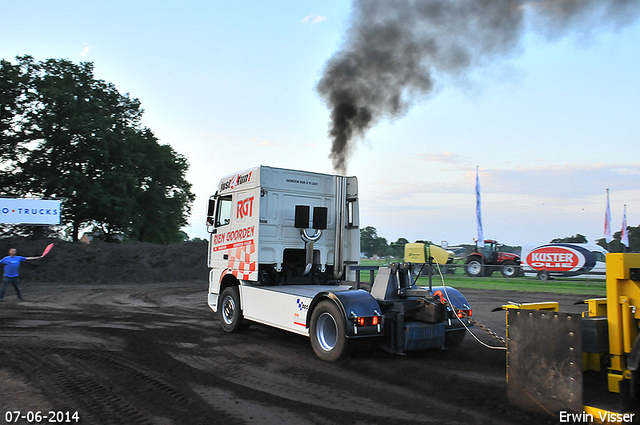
x,y
394,50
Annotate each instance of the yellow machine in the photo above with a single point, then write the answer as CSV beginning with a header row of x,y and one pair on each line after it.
x,y
622,309
420,252
556,361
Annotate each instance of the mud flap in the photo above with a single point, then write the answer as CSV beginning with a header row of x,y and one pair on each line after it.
x,y
544,361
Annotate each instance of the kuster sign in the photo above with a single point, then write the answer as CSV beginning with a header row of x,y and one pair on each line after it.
x,y
29,211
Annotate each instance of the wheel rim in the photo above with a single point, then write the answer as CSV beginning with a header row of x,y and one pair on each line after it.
x,y
228,310
474,267
509,270
327,332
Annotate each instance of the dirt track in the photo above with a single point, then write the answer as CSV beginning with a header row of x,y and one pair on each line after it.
x,y
155,354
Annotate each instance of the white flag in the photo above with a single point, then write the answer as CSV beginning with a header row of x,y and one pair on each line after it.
x,y
607,221
624,236
478,212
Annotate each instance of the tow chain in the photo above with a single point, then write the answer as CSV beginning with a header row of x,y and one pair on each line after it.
x,y
489,331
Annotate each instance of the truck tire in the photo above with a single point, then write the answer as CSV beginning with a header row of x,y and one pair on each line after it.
x,y
452,339
328,332
509,269
474,268
544,275
229,311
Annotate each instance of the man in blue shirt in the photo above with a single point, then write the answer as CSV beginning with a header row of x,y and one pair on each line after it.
x,y
11,268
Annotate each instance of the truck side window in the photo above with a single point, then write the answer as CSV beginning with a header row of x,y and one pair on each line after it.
x,y
223,211
599,256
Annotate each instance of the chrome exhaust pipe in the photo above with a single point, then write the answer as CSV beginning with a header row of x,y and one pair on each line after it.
x,y
309,240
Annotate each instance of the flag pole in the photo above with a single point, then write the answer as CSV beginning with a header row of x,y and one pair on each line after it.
x,y
607,224
480,242
624,235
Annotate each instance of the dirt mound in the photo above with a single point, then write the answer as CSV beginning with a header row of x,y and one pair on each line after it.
x,y
110,263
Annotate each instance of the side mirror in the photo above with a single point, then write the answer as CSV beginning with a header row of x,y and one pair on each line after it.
x,y
210,213
320,218
212,207
301,220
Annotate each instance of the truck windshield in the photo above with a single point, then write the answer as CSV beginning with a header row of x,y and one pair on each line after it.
x,y
223,211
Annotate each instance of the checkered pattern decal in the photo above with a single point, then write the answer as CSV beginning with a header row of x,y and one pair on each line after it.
x,y
243,262
300,304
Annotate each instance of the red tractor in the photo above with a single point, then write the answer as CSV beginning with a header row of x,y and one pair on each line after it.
x,y
488,259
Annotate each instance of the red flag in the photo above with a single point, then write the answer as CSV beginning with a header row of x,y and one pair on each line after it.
x,y
624,236
47,249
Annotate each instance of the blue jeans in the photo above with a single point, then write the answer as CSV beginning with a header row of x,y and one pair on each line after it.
x,y
15,281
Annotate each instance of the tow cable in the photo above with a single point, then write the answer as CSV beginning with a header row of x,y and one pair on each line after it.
x,y
487,330
484,328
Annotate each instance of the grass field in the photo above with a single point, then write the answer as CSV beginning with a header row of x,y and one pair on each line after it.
x,y
529,284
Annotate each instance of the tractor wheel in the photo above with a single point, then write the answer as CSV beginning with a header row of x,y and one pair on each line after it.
x,y
474,268
329,332
452,339
509,269
544,275
229,311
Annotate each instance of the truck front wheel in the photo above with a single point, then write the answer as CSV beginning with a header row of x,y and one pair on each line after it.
x,y
328,332
229,311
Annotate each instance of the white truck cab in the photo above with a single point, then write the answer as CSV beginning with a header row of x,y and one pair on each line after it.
x,y
282,251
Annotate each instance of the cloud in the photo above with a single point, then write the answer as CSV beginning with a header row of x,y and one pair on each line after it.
x,y
519,205
562,181
85,51
312,19
267,143
446,157
518,188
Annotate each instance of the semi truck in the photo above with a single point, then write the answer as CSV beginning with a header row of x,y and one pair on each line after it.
x,y
284,250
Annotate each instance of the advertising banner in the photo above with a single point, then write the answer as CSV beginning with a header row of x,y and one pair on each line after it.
x,y
29,211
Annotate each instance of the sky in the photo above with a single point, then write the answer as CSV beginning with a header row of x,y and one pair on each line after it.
x,y
231,85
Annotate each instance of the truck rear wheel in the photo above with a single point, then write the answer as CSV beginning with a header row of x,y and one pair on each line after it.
x,y
328,332
509,269
544,275
229,311
474,268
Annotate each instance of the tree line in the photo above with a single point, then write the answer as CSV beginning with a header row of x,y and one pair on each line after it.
x,y
373,245
615,245
66,134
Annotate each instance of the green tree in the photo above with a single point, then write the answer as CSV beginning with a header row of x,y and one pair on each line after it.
x,y
578,238
617,246
162,204
396,249
78,138
370,243
11,83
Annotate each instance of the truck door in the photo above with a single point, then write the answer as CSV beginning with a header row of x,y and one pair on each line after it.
x,y
234,228
219,222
